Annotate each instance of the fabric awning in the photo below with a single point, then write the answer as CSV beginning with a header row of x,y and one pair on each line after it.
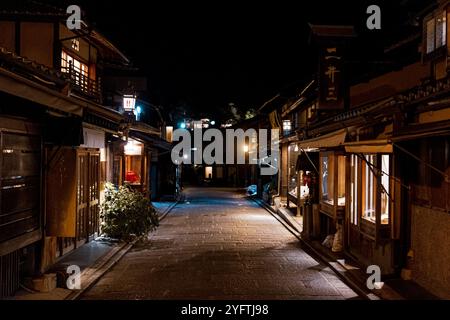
x,y
369,146
93,138
29,90
330,140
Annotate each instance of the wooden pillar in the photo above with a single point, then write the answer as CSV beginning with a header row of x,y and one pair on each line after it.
x,y
284,171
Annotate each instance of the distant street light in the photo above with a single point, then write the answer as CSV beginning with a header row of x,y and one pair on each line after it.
x,y
138,112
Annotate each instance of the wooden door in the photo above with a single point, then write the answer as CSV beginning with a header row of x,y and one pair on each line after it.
x,y
94,194
87,200
88,195
82,215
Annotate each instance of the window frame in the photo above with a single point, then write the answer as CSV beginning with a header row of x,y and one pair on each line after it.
x,y
293,175
437,49
84,68
333,209
368,180
286,131
374,230
80,76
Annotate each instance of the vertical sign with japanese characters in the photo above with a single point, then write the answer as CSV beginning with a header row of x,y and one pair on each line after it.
x,y
330,78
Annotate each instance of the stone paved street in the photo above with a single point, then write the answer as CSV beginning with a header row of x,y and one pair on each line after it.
x,y
219,245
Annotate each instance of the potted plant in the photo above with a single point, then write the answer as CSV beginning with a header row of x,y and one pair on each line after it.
x,y
126,213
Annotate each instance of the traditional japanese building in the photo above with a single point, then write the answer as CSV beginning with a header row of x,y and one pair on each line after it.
x,y
60,140
370,166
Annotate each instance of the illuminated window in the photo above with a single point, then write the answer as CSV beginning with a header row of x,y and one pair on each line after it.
x,y
430,35
76,44
198,125
133,162
386,190
287,126
370,189
327,180
169,133
436,32
332,192
293,183
354,178
77,70
441,30
208,172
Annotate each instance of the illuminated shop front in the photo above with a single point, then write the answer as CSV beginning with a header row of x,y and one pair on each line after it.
x,y
371,196
135,165
332,195
299,177
324,158
293,175
332,184
372,205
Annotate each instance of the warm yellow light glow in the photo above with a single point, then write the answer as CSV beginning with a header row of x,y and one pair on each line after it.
x,y
245,148
133,148
208,172
169,133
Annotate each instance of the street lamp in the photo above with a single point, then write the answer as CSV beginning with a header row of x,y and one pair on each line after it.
x,y
129,103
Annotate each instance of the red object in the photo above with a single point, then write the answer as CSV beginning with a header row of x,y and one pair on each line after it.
x,y
131,176
307,180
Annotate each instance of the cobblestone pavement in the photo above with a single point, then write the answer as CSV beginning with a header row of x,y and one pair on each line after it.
x,y
219,245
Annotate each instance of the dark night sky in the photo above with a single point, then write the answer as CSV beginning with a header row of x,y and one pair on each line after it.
x,y
209,53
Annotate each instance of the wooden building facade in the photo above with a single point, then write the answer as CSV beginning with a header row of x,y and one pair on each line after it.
x,y
60,143
374,170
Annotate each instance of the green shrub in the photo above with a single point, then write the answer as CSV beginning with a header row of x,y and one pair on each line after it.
x,y
127,213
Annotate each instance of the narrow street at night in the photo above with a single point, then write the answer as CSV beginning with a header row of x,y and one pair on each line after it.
x,y
224,159
219,245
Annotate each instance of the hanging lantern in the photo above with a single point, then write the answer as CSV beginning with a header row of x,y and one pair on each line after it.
x,y
129,103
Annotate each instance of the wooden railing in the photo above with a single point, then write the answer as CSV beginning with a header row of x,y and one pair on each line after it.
x,y
83,84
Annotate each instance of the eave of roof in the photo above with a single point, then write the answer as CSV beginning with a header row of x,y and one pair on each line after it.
x,y
101,40
29,8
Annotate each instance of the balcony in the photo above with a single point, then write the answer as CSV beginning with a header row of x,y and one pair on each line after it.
x,y
82,84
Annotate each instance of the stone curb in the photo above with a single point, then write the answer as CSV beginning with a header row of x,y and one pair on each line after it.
x,y
92,275
169,208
